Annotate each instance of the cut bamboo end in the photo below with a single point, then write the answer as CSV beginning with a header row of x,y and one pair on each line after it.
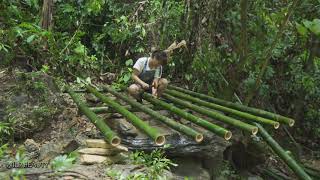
x,y
291,123
115,141
254,131
160,140
199,138
276,125
228,135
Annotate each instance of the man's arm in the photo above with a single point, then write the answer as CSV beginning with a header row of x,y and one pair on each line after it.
x,y
137,80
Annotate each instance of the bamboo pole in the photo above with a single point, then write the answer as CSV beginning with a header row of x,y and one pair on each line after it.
x,y
198,137
296,168
109,135
217,107
136,121
239,107
234,122
220,131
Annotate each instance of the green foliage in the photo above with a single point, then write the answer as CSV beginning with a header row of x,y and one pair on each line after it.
x,y
125,76
20,158
5,132
153,165
156,162
3,149
63,162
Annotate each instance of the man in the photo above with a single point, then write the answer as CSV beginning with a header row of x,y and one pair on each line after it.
x,y
147,73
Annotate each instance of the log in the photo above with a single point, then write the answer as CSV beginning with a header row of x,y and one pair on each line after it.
x,y
198,137
217,107
109,135
240,107
136,121
220,131
231,121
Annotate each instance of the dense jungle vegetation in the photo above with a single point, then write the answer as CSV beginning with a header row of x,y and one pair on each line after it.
x,y
265,54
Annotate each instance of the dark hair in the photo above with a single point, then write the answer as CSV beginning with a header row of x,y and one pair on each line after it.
x,y
160,56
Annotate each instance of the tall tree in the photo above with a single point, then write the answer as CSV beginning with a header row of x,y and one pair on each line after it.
x,y
244,37
46,14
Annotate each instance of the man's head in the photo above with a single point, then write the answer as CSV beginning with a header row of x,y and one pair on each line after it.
x,y
159,58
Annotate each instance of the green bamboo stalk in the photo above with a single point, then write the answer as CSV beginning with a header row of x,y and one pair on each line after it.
x,y
217,107
109,135
102,109
296,168
99,110
240,107
218,116
220,131
170,122
136,121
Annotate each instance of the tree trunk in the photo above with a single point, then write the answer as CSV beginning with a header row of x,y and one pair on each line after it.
x,y
46,14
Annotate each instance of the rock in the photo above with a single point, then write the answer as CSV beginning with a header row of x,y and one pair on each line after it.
x,y
190,167
92,159
70,146
68,177
124,171
32,148
31,145
122,148
55,147
100,143
122,126
98,151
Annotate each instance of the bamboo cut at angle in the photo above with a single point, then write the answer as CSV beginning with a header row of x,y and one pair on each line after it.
x,y
136,121
198,137
109,135
217,107
220,131
215,115
254,111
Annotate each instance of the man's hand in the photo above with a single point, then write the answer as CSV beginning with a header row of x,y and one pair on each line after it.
x,y
145,86
155,88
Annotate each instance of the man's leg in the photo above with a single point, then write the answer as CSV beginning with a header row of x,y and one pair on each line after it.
x,y
135,91
162,85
